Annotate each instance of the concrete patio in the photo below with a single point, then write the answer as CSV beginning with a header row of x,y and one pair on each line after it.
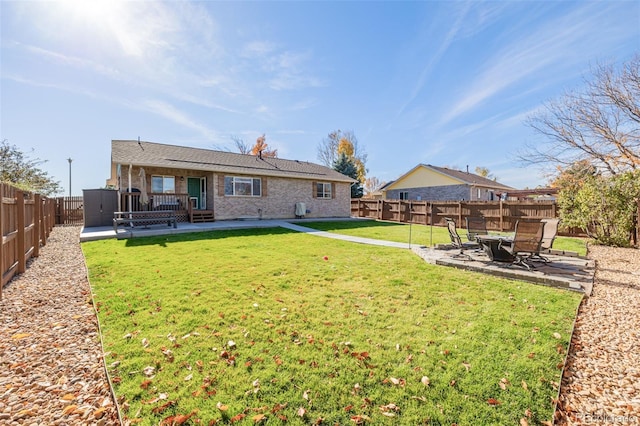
x,y
564,270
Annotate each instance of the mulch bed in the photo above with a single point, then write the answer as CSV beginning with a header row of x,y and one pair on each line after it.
x,y
51,367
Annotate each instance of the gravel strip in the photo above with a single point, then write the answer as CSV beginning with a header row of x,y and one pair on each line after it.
x,y
52,373
601,384
51,368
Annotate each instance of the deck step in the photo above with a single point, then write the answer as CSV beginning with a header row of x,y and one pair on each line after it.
x,y
201,216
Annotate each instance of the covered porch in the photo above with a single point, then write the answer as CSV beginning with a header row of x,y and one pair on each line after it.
x,y
185,205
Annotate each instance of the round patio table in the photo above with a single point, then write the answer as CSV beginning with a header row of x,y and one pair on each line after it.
x,y
491,246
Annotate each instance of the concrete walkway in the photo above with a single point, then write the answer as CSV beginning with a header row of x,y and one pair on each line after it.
x,y
350,238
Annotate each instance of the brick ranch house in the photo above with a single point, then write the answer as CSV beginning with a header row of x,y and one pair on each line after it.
x,y
206,185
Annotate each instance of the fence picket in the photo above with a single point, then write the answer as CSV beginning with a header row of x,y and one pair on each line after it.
x,y
500,215
26,220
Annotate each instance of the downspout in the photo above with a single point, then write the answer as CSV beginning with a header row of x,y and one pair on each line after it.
x,y
129,196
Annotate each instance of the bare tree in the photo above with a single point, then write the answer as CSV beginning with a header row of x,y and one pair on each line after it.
x,y
241,145
339,142
600,124
485,173
328,149
371,185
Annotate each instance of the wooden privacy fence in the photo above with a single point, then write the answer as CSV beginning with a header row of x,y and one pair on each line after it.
x,y
500,215
26,221
69,211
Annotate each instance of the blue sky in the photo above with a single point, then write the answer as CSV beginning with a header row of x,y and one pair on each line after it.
x,y
448,83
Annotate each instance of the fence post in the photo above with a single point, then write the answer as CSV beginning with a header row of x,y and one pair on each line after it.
x,y
637,236
501,217
37,219
22,259
1,237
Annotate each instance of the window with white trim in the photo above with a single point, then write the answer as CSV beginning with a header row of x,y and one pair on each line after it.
x,y
404,195
323,190
242,186
163,184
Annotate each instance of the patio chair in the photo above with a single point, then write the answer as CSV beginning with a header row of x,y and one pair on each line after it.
x,y
455,239
476,226
549,233
525,243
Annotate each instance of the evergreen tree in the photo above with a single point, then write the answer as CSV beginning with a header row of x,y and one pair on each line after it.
x,y
347,167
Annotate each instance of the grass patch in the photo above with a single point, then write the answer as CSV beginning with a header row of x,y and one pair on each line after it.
x,y
419,234
256,326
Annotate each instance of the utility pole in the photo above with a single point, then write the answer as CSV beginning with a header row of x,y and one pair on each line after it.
x,y
69,160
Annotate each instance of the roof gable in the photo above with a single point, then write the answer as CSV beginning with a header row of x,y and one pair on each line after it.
x,y
151,154
428,175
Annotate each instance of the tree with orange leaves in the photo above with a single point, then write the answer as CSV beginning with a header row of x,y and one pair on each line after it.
x,y
261,148
343,142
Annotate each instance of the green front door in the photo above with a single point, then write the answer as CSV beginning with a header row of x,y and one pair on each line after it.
x,y
193,188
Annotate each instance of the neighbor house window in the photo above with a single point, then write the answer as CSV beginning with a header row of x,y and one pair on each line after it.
x,y
323,190
242,186
404,195
163,184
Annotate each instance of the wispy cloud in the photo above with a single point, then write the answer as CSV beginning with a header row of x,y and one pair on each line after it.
x,y
555,46
289,71
258,49
435,57
179,117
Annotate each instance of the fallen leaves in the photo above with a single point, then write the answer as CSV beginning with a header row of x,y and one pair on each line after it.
x,y
20,336
395,381
504,383
72,409
389,410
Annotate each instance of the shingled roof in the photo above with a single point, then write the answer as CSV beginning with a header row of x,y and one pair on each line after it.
x,y
463,177
151,154
466,177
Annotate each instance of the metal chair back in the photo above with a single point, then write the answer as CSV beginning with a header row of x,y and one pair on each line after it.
x,y
528,237
549,233
476,226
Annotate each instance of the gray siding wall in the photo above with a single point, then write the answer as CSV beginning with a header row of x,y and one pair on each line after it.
x,y
434,193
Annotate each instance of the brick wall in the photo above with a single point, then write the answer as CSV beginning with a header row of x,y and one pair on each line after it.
x,y
279,196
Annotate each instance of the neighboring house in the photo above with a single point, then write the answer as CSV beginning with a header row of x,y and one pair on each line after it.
x,y
427,182
205,185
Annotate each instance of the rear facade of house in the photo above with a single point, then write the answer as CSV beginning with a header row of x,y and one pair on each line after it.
x,y
206,185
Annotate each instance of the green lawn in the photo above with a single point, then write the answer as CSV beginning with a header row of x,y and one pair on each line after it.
x,y
419,234
276,327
